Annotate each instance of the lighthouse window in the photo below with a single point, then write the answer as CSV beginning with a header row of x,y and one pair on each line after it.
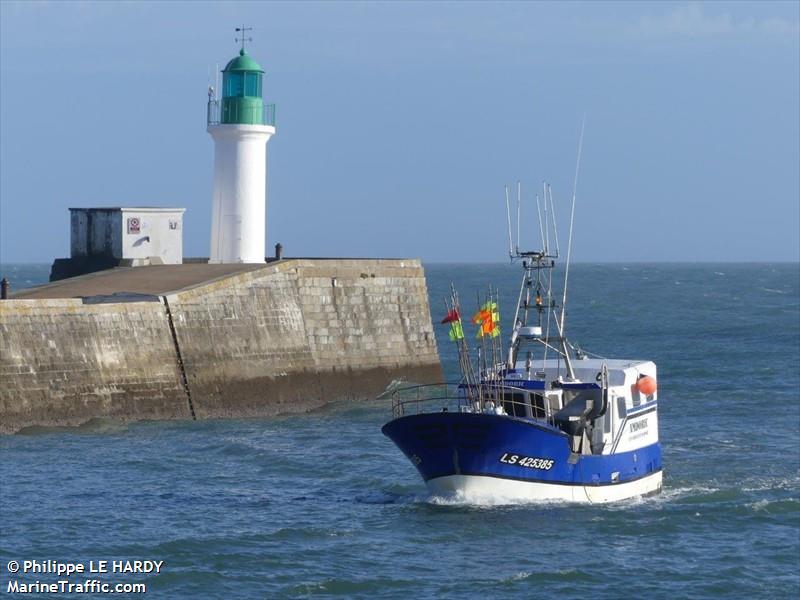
x,y
234,84
252,84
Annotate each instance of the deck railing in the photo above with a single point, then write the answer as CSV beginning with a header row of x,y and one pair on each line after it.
x,y
261,115
435,397
444,397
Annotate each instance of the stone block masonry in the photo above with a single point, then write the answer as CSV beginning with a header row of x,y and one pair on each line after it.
x,y
302,332
288,336
63,362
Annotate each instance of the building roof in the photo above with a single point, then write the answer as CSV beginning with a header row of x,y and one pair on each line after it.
x,y
243,62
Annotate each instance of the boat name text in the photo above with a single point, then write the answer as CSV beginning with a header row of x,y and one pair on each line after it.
x,y
638,425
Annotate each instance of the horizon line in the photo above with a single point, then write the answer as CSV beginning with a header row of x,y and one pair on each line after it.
x,y
505,262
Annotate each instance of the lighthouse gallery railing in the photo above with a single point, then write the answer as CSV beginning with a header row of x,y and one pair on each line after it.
x,y
262,115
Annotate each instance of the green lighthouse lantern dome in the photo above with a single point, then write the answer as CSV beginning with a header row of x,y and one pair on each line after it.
x,y
243,62
242,99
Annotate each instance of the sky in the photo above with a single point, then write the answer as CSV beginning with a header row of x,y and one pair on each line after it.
x,y
399,124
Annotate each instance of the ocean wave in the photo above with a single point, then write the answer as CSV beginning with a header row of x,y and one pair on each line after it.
x,y
667,495
773,507
389,497
484,500
563,576
694,494
106,425
773,483
349,587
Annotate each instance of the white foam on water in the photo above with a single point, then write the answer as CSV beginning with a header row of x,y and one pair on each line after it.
x,y
666,496
782,505
523,575
484,500
759,505
763,484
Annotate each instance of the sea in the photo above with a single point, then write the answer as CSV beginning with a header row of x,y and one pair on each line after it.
x,y
322,505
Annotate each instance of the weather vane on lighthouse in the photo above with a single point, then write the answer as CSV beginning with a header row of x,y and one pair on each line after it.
x,y
244,39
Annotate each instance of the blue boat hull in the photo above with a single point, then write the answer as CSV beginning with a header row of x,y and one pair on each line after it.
x,y
458,447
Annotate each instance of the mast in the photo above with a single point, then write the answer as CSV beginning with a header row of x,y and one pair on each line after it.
x,y
539,212
508,215
553,215
546,221
570,372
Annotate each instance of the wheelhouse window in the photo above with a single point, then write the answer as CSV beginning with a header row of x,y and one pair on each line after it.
x,y
514,404
622,411
537,406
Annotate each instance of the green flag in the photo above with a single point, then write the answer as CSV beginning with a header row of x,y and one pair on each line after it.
x,y
456,331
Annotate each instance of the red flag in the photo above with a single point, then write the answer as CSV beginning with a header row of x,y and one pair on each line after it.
x,y
452,315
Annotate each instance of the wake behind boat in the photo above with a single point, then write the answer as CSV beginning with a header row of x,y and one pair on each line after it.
x,y
537,419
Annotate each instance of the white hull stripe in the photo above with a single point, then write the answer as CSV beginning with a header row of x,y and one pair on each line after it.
x,y
478,487
553,482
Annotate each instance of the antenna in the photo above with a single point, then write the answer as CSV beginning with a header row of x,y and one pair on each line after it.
x,y
541,227
243,30
519,209
571,222
508,214
553,215
546,221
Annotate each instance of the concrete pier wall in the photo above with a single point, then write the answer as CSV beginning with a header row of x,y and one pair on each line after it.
x,y
288,336
301,333
63,362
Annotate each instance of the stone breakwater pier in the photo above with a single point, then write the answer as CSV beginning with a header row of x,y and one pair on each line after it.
x,y
199,341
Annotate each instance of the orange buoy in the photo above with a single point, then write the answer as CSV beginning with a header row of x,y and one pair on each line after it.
x,y
646,385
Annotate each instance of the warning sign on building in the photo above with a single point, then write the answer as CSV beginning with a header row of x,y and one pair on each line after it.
x,y
134,225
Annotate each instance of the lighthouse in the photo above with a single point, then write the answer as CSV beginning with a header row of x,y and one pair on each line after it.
x,y
241,125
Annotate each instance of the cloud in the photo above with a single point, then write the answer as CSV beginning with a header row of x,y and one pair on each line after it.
x,y
690,21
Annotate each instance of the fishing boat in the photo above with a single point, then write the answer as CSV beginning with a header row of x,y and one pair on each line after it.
x,y
533,417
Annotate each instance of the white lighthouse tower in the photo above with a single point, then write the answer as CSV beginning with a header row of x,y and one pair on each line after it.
x,y
241,125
